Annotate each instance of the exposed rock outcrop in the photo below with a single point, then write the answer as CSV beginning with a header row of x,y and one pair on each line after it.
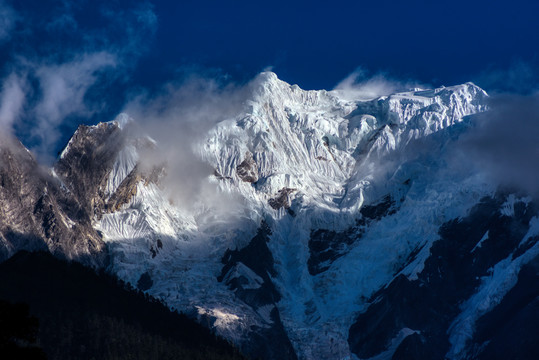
x,y
282,199
248,273
247,170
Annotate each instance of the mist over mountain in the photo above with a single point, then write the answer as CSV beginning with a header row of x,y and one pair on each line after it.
x,y
178,147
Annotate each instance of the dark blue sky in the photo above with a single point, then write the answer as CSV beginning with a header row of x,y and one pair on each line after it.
x,y
68,62
316,44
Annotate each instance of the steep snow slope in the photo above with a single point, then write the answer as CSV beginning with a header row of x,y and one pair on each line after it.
x,y
329,201
323,146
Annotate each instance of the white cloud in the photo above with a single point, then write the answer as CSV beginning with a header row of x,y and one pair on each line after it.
x,y
12,99
63,87
504,143
358,86
59,86
179,118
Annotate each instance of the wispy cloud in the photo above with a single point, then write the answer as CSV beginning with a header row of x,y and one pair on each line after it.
x,y
178,118
58,64
360,86
504,143
63,87
518,78
134,26
12,99
64,20
8,18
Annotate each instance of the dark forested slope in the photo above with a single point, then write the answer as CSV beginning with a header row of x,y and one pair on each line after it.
x,y
85,315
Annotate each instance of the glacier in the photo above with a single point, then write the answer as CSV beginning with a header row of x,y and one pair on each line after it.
x,y
378,173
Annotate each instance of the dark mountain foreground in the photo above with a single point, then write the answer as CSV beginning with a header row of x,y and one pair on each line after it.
x,y
53,309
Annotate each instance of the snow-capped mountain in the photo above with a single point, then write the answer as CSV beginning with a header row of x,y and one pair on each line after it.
x,y
326,228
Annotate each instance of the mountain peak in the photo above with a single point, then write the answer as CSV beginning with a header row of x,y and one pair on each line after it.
x,y
269,76
122,120
266,83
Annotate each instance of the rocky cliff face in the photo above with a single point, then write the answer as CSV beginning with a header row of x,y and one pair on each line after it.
x,y
56,209
37,211
470,269
86,162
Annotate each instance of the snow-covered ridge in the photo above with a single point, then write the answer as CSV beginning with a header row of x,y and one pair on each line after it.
x,y
313,141
315,153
